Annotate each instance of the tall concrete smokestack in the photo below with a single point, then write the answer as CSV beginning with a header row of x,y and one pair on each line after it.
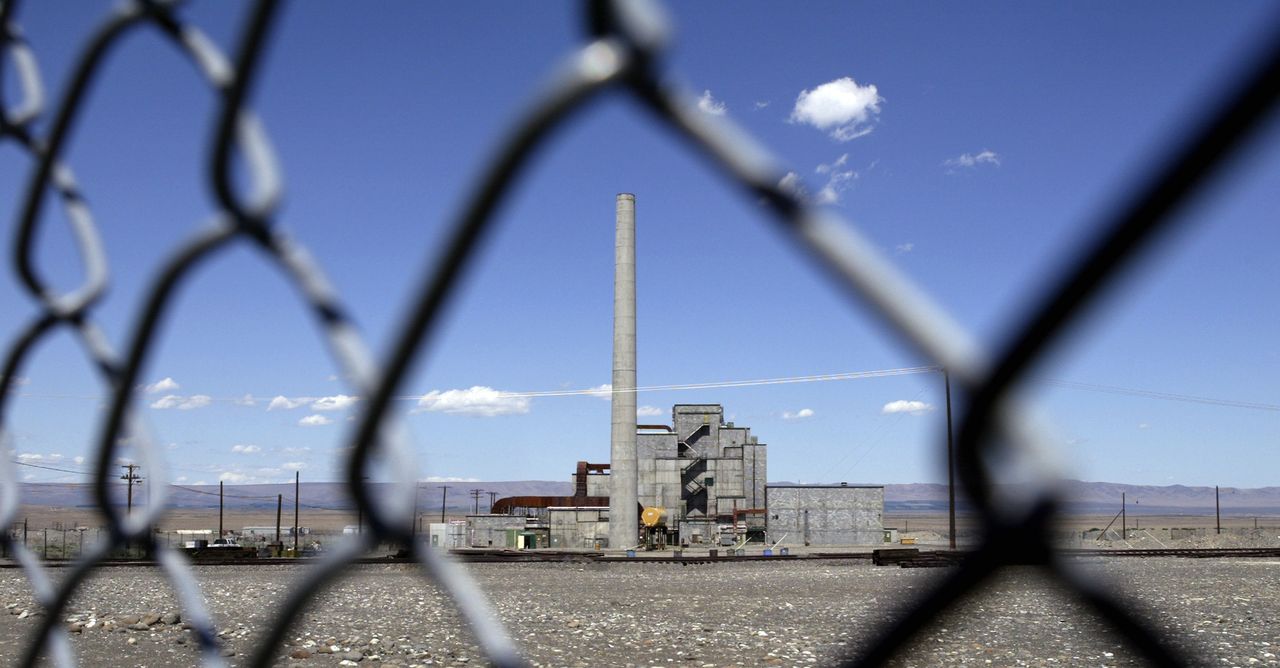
x,y
623,517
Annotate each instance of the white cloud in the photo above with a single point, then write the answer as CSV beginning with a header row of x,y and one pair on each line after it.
x,y
166,384
478,400
602,391
710,105
1143,425
841,107
904,406
648,411
839,162
294,466
246,400
54,457
335,403
232,477
970,160
246,449
437,478
293,450
314,421
78,459
761,104
801,414
30,457
285,403
904,248
182,403
196,401
791,183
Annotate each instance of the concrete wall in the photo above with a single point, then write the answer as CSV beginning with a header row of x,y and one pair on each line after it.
x,y
578,528
447,535
825,514
492,530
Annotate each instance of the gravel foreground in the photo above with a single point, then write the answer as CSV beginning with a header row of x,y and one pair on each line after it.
x,y
726,614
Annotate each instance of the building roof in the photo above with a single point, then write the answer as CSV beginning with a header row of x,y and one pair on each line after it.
x,y
835,486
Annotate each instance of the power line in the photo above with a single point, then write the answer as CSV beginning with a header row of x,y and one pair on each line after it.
x,y
602,391
1166,396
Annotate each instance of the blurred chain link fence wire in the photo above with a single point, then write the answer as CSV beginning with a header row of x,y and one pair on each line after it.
x,y
622,54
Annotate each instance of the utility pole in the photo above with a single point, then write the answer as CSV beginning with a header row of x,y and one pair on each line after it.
x,y
444,501
493,496
220,483
1217,508
951,462
130,477
1124,533
296,529
279,507
475,496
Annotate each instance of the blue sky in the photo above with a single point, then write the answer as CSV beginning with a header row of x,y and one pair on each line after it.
x,y
976,146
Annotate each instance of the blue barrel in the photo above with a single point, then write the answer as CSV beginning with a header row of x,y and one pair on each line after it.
x,y
631,553
785,551
768,552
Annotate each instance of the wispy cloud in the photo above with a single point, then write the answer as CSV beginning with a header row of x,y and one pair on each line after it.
x,y
838,179
314,421
447,478
761,104
971,160
710,105
801,414
479,401
246,400
294,466
840,108
908,407
602,391
246,449
165,384
29,457
335,403
904,248
182,403
648,411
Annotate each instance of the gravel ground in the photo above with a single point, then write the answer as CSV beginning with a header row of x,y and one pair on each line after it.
x,y
727,614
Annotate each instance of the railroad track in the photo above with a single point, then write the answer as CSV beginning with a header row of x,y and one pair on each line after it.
x,y
920,559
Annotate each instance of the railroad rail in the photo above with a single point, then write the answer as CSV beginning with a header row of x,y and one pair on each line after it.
x,y
921,559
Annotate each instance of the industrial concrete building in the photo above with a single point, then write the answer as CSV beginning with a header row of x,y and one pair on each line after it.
x,y
702,471
825,514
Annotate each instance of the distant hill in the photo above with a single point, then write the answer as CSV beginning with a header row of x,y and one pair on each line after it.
x,y
1081,497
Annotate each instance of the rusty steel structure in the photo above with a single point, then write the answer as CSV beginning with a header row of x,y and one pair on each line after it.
x,y
623,53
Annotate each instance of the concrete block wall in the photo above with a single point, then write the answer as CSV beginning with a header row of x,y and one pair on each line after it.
x,y
825,514
578,528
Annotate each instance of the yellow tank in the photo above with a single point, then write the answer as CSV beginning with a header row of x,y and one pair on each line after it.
x,y
652,517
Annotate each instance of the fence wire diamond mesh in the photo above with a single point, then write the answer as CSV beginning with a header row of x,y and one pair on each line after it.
x,y
622,55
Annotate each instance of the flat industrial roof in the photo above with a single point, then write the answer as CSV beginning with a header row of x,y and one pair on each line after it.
x,y
835,486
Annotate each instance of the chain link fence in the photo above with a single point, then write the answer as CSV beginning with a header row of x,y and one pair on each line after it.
x,y
622,54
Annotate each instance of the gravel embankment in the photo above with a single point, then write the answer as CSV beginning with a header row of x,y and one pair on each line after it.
x,y
743,614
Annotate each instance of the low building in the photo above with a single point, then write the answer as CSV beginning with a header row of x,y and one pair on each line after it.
x,y
840,514
495,530
448,535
